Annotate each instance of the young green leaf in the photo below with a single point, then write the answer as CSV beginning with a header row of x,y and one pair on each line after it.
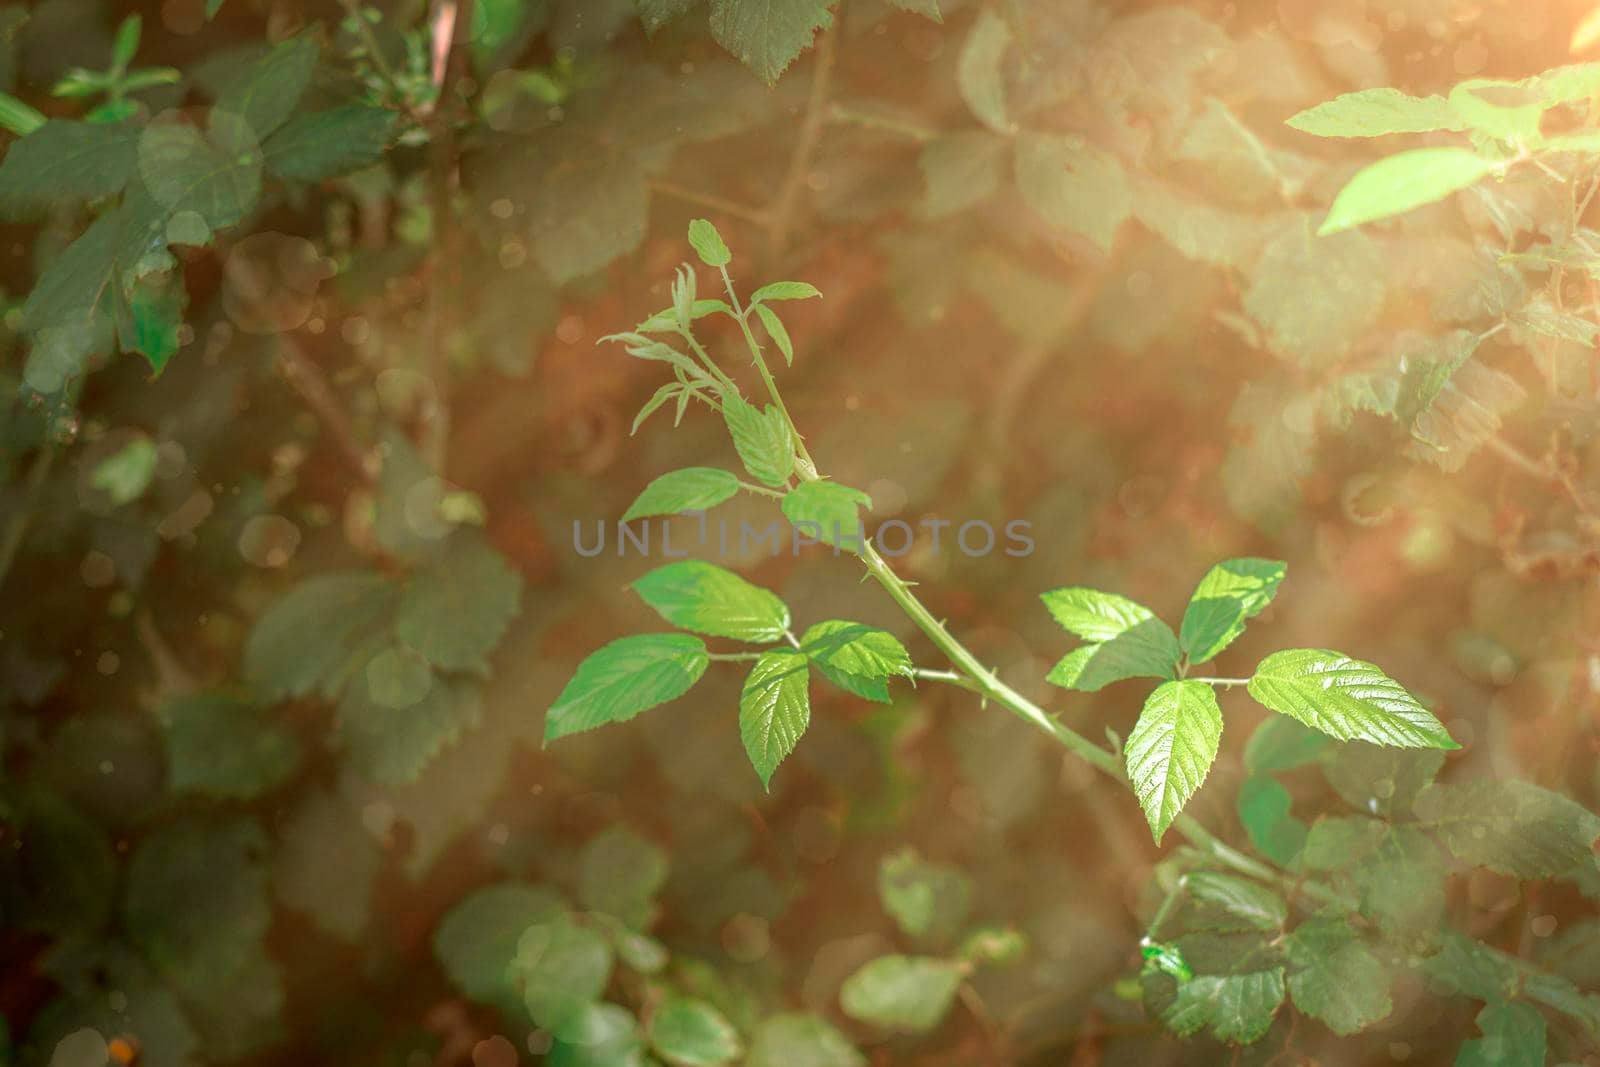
x,y
1345,698
1232,592
856,649
712,600
657,399
1171,748
689,489
1513,827
979,74
627,676
1376,113
1401,182
768,36
785,291
691,1033
762,439
1337,979
456,608
774,710
828,511
126,43
801,1041
906,993
708,244
18,117
1236,1008
776,331
1513,1036
1126,639
562,968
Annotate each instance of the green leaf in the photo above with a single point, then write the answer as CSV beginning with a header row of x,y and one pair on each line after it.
x,y
306,642
785,291
1469,968
478,938
214,177
1513,827
708,244
627,676
711,600
1249,902
1171,749
762,439
1345,698
774,710
619,874
657,13
925,899
1401,182
1127,640
60,873
689,489
801,1041
906,993
220,745
979,74
125,45
1513,1036
329,143
265,96
856,649
196,900
125,474
64,162
1264,807
926,8
563,968
1502,110
873,689
1340,842
1381,781
18,117
776,331
1074,186
1282,744
1236,1008
1337,979
1232,592
960,169
1316,299
149,315
601,1035
455,610
1376,113
829,510
768,36
691,1033
390,737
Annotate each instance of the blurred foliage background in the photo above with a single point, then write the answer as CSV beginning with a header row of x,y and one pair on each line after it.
x,y
345,351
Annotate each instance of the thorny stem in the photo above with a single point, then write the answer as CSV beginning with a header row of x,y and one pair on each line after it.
x,y
1224,682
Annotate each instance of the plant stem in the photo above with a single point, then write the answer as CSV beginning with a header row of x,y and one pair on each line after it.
x,y
806,467
752,487
732,657
1224,682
